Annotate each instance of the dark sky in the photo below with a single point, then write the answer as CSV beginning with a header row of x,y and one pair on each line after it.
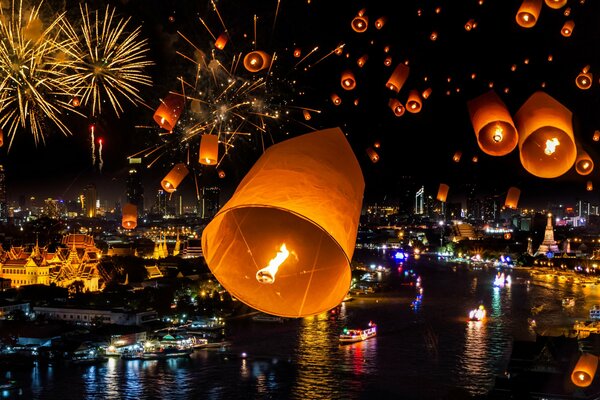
x,y
417,145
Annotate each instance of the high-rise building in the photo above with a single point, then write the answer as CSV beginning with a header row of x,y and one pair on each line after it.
x,y
3,202
134,188
210,201
90,196
419,201
160,206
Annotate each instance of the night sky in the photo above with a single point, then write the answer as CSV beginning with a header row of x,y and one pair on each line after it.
x,y
419,146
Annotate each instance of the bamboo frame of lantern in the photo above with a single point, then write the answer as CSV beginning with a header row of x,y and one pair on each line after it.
x,y
168,112
360,23
397,108
221,41
584,79
546,141
442,193
584,165
414,103
172,180
528,13
335,99
256,61
348,81
567,28
585,370
494,127
373,156
512,197
129,219
209,150
380,22
302,197
362,60
556,4
398,78
589,186
457,156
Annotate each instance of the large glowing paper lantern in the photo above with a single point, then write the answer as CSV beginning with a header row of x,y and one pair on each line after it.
x,y
512,197
584,79
256,61
129,220
221,41
567,28
373,156
442,193
209,150
529,13
546,142
556,4
584,165
168,112
585,370
348,81
414,103
494,128
396,107
360,22
398,77
174,178
283,243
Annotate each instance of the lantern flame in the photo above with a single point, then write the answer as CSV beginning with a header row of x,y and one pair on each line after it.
x,y
498,134
551,146
267,274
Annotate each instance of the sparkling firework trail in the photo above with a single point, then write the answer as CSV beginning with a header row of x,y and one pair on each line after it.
x,y
93,145
101,162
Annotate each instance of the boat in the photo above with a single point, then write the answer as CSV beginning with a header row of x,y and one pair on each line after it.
x,y
267,318
477,314
595,312
358,335
568,302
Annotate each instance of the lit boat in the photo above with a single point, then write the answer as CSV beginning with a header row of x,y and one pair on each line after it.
x,y
267,318
358,335
477,314
595,312
568,302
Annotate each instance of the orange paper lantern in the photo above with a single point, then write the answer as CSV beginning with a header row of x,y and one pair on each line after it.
x,y
256,61
396,107
221,173
336,99
360,23
1,137
596,136
209,150
494,128
174,178
373,156
585,370
442,194
387,61
584,165
362,60
470,25
398,77
380,22
413,103
306,115
556,4
528,13
129,220
297,52
221,41
348,81
168,112
589,186
567,28
457,156
546,142
283,243
426,93
584,79
512,197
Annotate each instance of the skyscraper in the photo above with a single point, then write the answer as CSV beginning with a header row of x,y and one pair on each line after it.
x,y
210,201
3,202
90,196
134,188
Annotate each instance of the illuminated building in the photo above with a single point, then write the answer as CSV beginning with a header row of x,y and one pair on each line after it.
x,y
160,206
548,244
419,203
89,196
210,201
134,188
54,208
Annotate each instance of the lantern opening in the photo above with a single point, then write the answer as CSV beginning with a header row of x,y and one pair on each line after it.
x,y
551,146
267,274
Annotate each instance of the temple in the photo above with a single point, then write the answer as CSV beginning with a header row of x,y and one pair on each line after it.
x,y
548,245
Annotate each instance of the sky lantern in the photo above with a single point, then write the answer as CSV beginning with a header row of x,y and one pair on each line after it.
x,y
413,103
348,82
396,107
426,93
209,150
596,136
377,144
221,41
584,165
457,156
256,61
567,28
433,36
386,49
589,186
387,61
475,159
1,137
306,115
75,101
129,219
168,112
584,79
512,197
470,25
546,142
339,50
335,99
174,178
556,4
380,22
297,52
528,13
442,193
494,128
373,156
585,370
283,243
356,102
567,11
398,77
221,173
362,60
360,23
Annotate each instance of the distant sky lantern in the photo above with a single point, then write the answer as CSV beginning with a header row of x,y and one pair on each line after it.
x,y
377,144
556,4
1,138
373,156
567,28
419,12
433,36
596,136
585,370
360,23
546,141
584,79
386,49
526,61
380,22
356,102
387,61
347,81
362,60
470,25
491,85
413,103
494,128
442,193
297,52
256,61
528,13
221,41
209,150
335,99
168,112
550,58
174,178
129,219
543,84
473,75
396,107
512,197
457,156
426,93
584,165
475,159
398,77
283,242
75,102
438,10
513,67
306,115
567,11
339,50
589,186
221,173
